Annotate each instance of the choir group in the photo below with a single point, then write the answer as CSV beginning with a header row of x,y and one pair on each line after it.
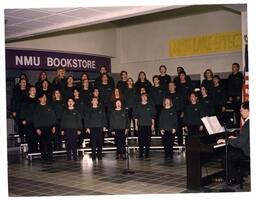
x,y
70,109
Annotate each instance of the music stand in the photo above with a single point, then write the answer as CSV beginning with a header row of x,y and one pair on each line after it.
x,y
127,170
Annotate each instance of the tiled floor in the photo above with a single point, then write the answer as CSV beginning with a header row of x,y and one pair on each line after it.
x,y
154,175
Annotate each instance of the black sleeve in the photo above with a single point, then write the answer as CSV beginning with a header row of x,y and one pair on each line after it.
x,y
153,112
36,117
161,119
23,110
112,82
87,119
136,112
79,121
14,101
104,118
175,120
127,121
111,121
186,113
53,117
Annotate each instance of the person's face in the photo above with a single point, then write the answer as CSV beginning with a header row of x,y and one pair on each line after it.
x,y
182,77
171,87
45,84
143,90
216,81
179,69
57,94
156,81
235,69
208,74
85,82
193,98
43,76
142,76
43,99
129,82
62,73
70,80
124,76
118,104
116,92
76,93
244,113
167,103
96,93
94,102
70,103
104,78
162,70
84,77
103,70
32,91
144,98
23,83
203,90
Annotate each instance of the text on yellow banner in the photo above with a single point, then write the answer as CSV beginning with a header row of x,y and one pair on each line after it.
x,y
205,44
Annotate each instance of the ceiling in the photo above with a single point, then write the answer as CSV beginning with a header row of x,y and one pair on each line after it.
x,y
25,23
22,23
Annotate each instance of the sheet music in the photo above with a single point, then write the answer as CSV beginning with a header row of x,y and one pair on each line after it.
x,y
212,125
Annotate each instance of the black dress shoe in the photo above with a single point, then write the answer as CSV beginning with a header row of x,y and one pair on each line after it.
x,y
232,181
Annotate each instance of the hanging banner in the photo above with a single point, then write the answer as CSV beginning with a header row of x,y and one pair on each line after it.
x,y
51,60
205,44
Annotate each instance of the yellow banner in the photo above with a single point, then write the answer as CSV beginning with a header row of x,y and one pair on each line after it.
x,y
205,44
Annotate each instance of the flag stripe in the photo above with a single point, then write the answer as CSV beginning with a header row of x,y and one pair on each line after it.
x,y
246,76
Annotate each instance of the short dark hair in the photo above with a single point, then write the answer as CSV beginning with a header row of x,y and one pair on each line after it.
x,y
103,66
41,94
117,101
179,67
172,83
70,76
155,76
123,72
32,86
75,88
216,76
182,72
95,88
163,67
245,105
71,98
21,79
144,94
237,65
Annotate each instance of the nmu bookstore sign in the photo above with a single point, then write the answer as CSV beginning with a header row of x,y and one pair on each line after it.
x,y
51,60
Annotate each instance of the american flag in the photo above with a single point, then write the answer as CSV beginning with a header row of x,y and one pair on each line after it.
x,y
246,76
